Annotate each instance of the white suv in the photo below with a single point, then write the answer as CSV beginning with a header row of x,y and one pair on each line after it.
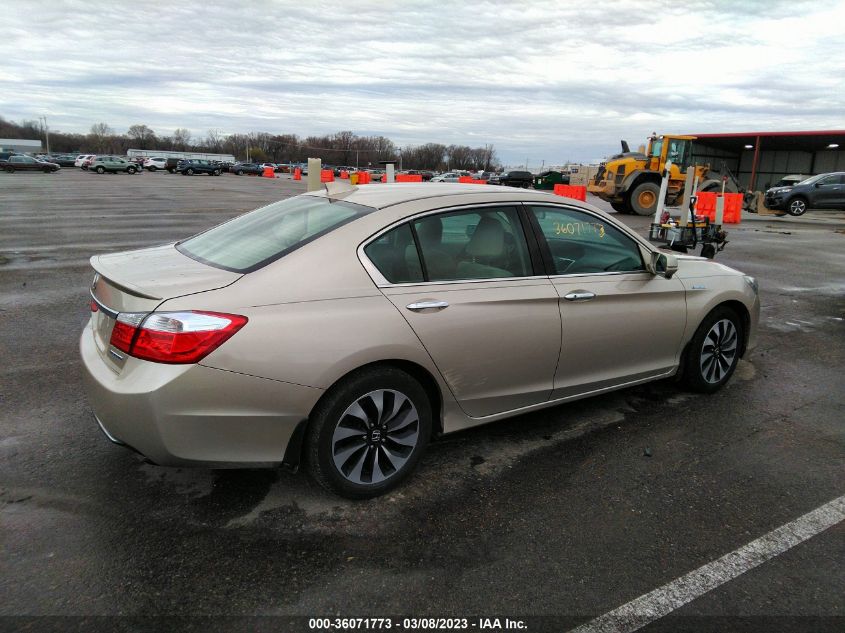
x,y
81,159
152,164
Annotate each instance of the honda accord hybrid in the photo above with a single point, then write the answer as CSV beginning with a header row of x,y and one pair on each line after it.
x,y
342,330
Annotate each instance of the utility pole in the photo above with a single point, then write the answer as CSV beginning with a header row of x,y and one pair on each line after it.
x,y
46,132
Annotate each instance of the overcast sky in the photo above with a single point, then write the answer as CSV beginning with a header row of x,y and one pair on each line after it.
x,y
545,81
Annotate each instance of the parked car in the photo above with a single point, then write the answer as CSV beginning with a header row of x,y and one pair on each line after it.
x,y
22,162
548,179
80,160
522,179
246,168
194,166
789,181
112,165
63,160
825,191
449,176
87,162
311,327
154,164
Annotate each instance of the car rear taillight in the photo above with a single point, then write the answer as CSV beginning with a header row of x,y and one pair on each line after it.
x,y
173,337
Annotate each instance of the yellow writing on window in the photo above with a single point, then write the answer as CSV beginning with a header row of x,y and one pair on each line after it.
x,y
579,228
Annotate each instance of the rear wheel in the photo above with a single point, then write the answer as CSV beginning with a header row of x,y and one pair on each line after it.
x,y
797,206
9,169
368,433
620,207
216,172
189,171
714,351
130,170
152,167
644,198
239,172
100,170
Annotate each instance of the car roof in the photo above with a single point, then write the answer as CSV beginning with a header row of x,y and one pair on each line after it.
x,y
380,196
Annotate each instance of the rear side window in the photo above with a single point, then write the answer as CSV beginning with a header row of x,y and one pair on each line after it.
x,y
396,256
484,243
255,239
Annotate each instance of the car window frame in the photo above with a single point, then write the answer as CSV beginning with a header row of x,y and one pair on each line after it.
x,y
546,252
538,266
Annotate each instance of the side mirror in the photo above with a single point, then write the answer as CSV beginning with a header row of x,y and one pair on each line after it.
x,y
663,264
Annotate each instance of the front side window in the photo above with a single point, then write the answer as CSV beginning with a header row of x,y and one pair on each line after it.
x,y
580,243
482,243
255,239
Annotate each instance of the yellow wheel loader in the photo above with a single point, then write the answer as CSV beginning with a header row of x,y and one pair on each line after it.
x,y
630,181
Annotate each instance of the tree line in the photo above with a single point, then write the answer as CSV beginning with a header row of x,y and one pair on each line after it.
x,y
340,148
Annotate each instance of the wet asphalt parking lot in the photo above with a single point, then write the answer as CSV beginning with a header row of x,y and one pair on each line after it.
x,y
555,517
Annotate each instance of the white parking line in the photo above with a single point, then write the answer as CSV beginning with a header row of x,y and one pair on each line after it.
x,y
654,605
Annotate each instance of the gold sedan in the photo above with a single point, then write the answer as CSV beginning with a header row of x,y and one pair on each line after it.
x,y
344,330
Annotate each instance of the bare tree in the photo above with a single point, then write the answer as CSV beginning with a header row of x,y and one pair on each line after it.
x,y
181,137
142,135
101,130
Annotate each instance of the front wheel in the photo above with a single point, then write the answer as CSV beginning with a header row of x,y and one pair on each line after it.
x,y
216,172
797,207
644,198
130,170
620,207
189,172
152,168
9,169
368,433
714,351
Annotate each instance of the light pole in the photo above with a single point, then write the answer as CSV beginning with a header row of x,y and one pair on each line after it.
x,y
46,131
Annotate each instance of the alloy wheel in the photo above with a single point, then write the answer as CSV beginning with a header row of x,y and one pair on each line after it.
x,y
719,351
797,207
375,437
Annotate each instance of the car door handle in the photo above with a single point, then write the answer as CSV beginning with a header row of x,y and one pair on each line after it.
x,y
580,295
429,304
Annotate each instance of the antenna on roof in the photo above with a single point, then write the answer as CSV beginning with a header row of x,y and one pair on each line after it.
x,y
339,188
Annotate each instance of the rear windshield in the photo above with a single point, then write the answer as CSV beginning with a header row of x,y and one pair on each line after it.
x,y
250,241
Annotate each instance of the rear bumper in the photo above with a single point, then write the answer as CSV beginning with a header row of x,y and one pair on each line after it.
x,y
181,415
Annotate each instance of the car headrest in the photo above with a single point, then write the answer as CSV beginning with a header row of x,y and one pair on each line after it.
x,y
488,240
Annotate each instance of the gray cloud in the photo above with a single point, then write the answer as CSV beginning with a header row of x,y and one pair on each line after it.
x,y
539,80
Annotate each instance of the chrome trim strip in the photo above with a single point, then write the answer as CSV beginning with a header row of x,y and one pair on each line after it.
x,y
575,396
381,282
110,437
106,310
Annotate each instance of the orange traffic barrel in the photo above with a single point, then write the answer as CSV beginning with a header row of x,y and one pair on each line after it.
x,y
297,174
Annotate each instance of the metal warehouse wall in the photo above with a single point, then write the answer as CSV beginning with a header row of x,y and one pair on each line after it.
x,y
773,164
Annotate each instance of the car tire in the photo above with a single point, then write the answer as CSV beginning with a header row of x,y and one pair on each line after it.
x,y
714,351
100,170
239,173
216,172
351,454
643,199
47,170
797,206
152,168
620,207
9,169
189,172
130,170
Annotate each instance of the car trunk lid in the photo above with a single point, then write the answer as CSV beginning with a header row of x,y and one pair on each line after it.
x,y
139,281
